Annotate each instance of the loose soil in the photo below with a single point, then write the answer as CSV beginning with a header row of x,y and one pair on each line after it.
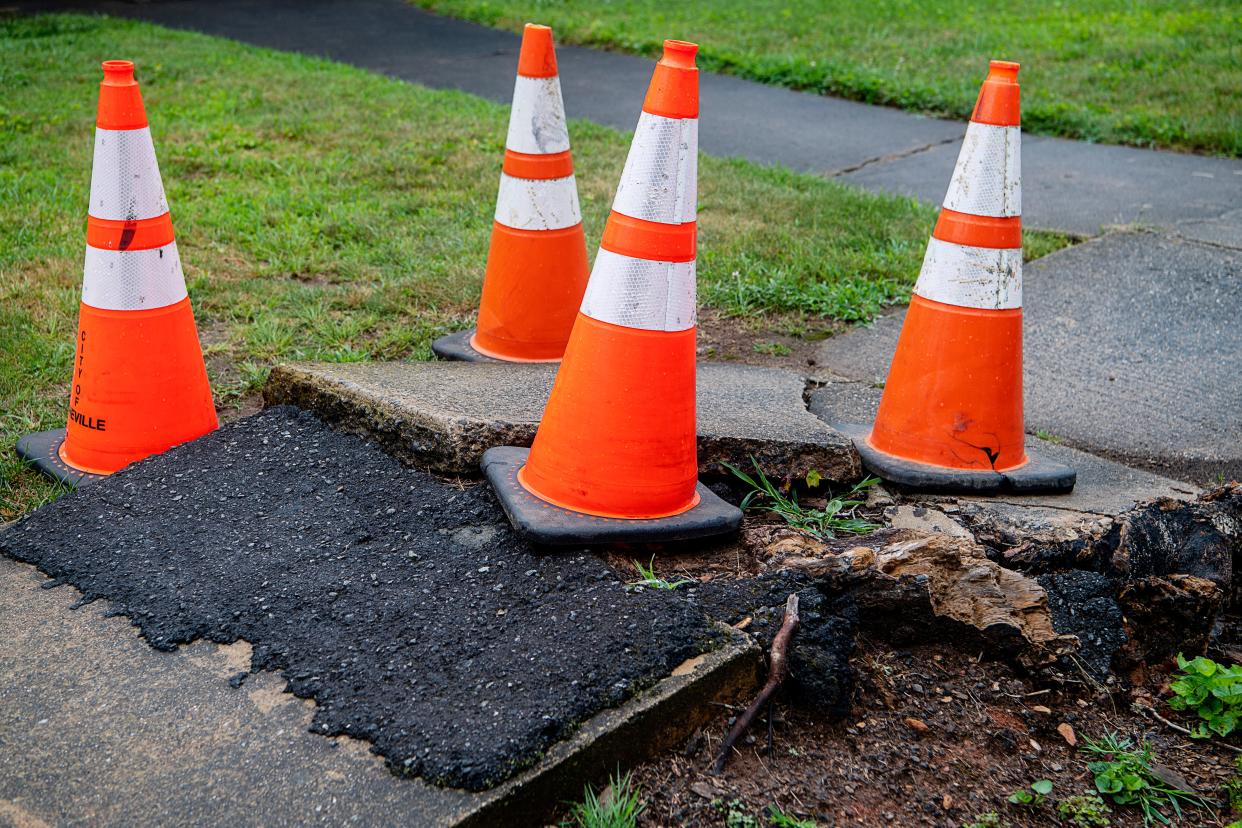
x,y
933,737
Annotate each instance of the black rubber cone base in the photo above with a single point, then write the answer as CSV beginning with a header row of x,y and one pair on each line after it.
x,y
1039,475
457,347
541,522
43,450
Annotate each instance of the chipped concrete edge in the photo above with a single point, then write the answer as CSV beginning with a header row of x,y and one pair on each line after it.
x,y
657,719
455,446
417,441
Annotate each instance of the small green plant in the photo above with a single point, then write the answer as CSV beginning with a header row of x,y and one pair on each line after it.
x,y
1125,774
618,807
1085,810
735,814
1233,787
1049,437
648,578
772,348
989,820
1033,796
840,514
1211,690
781,819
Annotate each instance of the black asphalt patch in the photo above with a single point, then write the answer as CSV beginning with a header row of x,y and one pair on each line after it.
x,y
403,605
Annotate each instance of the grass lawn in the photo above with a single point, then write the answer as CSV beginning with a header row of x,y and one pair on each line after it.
x,y
1146,72
323,212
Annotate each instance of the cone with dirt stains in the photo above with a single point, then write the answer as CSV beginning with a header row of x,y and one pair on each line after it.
x,y
537,263
139,382
615,456
951,414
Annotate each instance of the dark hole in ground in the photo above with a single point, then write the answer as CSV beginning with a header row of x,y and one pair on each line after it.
x,y
402,604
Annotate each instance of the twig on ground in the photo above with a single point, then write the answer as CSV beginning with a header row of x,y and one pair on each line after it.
x,y
1142,708
778,669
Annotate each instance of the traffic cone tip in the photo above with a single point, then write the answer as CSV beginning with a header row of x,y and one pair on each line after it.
x,y
999,96
537,58
674,89
679,54
120,100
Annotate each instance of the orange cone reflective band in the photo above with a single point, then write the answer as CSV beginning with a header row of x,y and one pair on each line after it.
x,y
537,264
139,383
617,442
951,413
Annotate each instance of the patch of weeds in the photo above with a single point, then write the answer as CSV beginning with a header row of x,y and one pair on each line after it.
x,y
650,579
772,348
1034,796
617,807
1049,437
989,820
840,514
781,819
1211,690
1085,810
1127,774
1233,787
735,813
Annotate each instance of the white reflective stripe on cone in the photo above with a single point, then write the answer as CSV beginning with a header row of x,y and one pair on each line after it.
x,y
537,120
660,180
971,277
132,279
537,204
987,180
125,179
639,293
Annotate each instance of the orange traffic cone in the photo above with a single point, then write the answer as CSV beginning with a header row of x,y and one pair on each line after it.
x,y
950,417
537,266
139,384
615,457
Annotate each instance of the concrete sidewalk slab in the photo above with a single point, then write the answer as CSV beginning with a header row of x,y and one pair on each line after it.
x,y
1103,487
1070,185
1132,347
443,415
1085,189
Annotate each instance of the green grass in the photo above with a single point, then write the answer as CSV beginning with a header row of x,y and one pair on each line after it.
x,y
839,514
648,579
1146,72
323,212
618,807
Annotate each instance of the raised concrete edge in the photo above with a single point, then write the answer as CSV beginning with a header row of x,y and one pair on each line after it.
x,y
655,720
743,412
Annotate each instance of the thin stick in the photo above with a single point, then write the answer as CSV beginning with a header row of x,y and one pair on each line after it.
x,y
1142,708
778,669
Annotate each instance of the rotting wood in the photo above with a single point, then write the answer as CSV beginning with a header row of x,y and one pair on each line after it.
x,y
778,669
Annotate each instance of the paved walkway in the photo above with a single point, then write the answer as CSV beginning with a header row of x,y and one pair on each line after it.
x,y
1132,348
1068,185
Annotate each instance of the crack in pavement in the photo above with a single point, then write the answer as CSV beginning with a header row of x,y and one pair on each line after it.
x,y
892,156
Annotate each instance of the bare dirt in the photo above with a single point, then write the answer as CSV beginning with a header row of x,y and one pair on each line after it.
x,y
934,736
